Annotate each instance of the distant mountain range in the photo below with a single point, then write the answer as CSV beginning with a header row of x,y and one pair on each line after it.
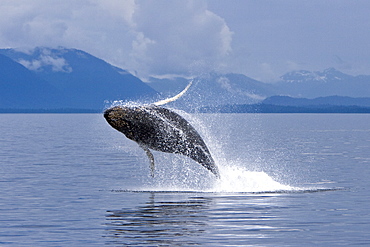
x,y
320,101
63,78
222,89
285,104
212,90
309,84
71,80
21,88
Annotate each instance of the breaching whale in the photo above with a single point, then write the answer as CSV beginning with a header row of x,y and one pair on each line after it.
x,y
157,128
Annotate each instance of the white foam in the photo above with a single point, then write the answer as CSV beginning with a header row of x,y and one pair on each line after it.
x,y
237,179
234,179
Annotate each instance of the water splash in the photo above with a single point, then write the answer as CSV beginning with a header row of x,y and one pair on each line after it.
x,y
235,176
179,175
237,179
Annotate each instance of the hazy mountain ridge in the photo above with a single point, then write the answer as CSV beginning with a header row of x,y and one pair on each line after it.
x,y
265,108
81,80
20,88
302,83
218,89
46,78
286,104
329,91
301,76
320,101
329,82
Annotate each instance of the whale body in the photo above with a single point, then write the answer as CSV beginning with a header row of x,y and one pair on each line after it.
x,y
160,129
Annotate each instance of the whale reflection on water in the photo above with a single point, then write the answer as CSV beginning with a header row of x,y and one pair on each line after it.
x,y
157,222
176,219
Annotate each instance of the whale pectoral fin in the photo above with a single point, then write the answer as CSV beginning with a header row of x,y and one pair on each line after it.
x,y
151,159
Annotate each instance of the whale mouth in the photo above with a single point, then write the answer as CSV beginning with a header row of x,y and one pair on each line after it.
x,y
106,114
109,115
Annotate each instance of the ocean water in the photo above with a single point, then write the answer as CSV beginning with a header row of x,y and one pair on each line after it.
x,y
287,180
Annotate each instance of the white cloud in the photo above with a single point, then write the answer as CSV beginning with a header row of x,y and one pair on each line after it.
x,y
194,36
186,36
225,83
308,33
150,37
57,64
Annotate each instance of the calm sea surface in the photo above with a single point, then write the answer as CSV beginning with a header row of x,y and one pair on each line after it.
x,y
287,180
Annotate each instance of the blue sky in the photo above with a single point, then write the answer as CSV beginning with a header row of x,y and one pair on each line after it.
x,y
262,39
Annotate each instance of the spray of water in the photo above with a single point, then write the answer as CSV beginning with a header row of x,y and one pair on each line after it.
x,y
182,176
238,179
179,173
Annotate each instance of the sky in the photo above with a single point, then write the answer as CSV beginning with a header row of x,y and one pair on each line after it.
x,y
262,39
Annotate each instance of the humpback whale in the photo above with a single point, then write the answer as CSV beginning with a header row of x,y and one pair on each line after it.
x,y
157,128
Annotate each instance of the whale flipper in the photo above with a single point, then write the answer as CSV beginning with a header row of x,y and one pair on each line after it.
x,y
165,101
151,159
